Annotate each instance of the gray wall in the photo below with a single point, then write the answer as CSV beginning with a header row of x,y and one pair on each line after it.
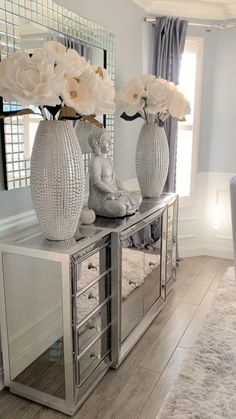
x,y
125,19
217,146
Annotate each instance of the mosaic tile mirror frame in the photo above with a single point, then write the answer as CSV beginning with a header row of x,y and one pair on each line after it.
x,y
52,22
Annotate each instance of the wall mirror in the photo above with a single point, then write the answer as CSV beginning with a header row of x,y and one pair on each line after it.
x,y
26,25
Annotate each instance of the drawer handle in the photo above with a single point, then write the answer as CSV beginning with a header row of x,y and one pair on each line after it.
x,y
93,326
133,283
92,297
92,266
97,356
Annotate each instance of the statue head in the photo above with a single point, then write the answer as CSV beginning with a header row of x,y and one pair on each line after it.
x,y
99,141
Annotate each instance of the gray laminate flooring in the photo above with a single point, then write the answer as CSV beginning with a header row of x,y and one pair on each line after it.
x,y
138,388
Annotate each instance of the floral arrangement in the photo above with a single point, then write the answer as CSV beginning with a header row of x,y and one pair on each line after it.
x,y
57,80
153,99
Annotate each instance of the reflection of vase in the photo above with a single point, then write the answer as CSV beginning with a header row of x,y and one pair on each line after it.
x,y
57,179
152,160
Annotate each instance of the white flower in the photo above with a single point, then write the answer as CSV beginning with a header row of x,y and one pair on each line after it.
x,y
56,48
131,98
178,105
149,95
75,64
104,92
32,80
78,94
157,94
146,79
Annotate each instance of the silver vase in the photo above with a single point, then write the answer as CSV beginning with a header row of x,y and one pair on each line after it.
x,y
152,160
57,179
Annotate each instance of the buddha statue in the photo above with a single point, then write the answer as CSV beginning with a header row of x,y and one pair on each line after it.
x,y
107,196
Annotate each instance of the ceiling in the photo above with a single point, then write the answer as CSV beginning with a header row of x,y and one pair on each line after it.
x,y
194,9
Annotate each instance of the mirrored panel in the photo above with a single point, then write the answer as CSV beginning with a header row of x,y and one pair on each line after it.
x,y
141,274
26,26
35,323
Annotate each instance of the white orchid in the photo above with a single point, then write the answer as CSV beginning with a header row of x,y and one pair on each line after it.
x,y
53,76
148,95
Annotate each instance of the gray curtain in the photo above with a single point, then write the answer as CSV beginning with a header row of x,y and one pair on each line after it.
x,y
170,35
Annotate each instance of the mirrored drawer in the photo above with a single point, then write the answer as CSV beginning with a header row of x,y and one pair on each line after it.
x,y
92,297
93,327
94,356
88,270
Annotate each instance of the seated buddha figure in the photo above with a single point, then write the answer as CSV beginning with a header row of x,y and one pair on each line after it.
x,y
107,196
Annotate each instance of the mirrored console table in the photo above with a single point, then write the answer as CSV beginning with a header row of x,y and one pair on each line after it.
x,y
71,310
144,252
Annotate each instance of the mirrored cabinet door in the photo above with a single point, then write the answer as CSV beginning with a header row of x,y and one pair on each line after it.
x,y
132,274
141,267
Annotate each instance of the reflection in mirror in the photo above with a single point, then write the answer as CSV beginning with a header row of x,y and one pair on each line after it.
x,y
36,351
19,131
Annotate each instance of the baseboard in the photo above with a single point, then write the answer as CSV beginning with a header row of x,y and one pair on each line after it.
x,y
191,251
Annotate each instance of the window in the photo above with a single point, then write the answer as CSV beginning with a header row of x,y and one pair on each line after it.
x,y
188,132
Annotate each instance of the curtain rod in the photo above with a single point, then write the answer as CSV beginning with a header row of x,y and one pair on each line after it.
x,y
204,25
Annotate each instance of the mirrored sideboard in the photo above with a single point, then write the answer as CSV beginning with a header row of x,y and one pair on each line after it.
x,y
144,256
71,310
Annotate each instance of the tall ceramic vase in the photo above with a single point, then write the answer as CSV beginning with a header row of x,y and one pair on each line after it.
x,y
57,179
152,160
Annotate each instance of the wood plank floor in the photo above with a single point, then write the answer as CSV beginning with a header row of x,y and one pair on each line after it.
x,y
138,388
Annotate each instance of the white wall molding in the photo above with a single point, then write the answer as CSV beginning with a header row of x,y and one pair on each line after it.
x,y
197,235
205,229
213,251
13,224
196,9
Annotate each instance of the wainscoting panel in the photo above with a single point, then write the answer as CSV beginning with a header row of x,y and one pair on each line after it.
x,y
209,219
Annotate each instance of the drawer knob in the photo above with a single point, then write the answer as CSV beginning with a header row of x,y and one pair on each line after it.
x,y
92,297
93,326
93,355
92,266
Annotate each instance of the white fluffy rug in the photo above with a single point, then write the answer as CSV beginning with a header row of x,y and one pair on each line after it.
x,y
206,385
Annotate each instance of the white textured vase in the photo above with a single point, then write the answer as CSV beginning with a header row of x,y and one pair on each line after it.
x,y
152,160
57,179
